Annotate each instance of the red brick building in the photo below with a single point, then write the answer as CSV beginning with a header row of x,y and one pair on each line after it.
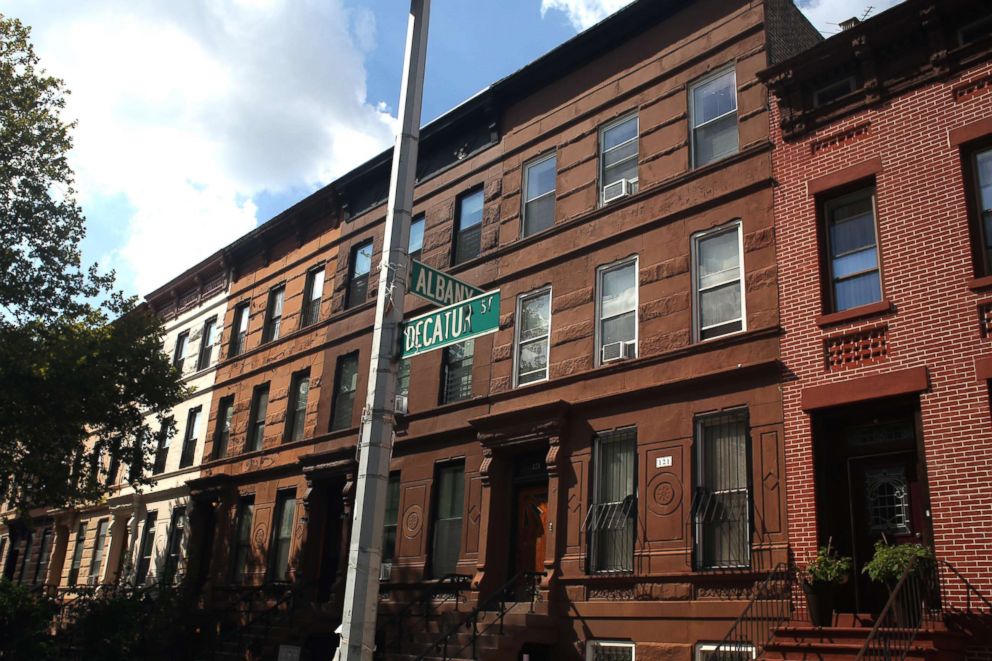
x,y
884,171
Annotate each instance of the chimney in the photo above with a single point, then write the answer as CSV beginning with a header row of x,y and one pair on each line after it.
x,y
852,22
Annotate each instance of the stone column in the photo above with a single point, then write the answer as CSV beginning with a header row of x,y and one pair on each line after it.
x,y
555,527
118,543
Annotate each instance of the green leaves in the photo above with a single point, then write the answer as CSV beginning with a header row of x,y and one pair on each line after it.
x,y
82,373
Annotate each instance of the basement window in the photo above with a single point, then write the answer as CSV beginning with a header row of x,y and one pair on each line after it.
x,y
609,650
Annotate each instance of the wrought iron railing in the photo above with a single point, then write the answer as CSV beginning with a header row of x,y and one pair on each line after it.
x,y
256,613
772,605
448,588
500,602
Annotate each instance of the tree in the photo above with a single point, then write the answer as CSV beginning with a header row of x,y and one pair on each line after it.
x,y
81,365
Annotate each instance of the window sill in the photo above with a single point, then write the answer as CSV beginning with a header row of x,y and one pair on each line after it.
x,y
978,284
870,310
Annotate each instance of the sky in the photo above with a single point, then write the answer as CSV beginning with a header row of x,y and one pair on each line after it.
x,y
198,120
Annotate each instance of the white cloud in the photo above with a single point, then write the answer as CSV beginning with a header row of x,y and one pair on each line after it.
x,y
191,108
824,14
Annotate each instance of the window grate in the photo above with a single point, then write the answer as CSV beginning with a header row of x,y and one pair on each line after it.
x,y
611,520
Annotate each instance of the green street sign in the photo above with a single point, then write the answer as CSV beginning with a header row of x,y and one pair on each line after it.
x,y
437,287
451,325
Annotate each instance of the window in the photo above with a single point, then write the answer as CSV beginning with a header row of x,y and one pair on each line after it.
x,y
982,168
297,411
718,286
609,650
456,371
358,279
616,311
77,555
539,194
25,556
728,652
189,439
256,427
99,546
722,504
312,294
345,387
174,545
146,549
239,335
44,553
611,517
282,536
114,469
403,378
852,248
468,227
225,410
179,357
207,341
618,158
415,247
391,521
162,449
242,543
449,491
3,547
273,314
975,30
713,112
533,337
833,91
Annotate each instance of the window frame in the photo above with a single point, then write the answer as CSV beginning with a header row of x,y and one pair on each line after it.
x,y
436,518
180,350
419,252
296,426
309,316
174,556
239,338
518,344
284,497
694,164
161,460
597,330
525,200
698,477
206,353
191,436
223,427
601,170
625,644
697,291
146,549
457,229
272,326
592,545
44,554
446,368
239,564
352,277
255,438
99,550
981,243
76,561
336,399
825,203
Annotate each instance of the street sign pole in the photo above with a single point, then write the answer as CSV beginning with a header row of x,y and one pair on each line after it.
x,y
361,597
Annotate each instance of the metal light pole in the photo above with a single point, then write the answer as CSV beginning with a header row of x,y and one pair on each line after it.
x,y
361,597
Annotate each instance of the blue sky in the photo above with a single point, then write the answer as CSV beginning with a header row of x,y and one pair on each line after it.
x,y
199,119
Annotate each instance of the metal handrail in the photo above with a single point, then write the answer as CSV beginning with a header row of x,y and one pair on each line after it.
x,y
254,617
456,583
770,607
913,604
969,588
496,598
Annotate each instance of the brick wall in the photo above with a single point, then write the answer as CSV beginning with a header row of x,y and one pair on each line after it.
x,y
924,241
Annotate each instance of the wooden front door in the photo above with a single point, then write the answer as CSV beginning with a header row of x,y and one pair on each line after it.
x,y
532,524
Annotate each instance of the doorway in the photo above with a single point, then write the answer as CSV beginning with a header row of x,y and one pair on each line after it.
x,y
871,486
530,519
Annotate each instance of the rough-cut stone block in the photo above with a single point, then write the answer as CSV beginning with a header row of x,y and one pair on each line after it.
x,y
500,384
571,366
664,306
572,299
664,342
762,278
494,188
502,352
759,239
665,269
572,333
506,321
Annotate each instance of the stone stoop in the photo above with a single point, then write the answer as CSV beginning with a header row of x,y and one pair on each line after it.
x,y
809,643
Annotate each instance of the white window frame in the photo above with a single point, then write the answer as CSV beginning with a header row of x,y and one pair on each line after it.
x,y
692,113
602,151
697,308
600,270
591,646
525,200
516,336
701,648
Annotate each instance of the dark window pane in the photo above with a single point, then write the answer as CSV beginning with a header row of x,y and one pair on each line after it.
x,y
44,552
179,357
242,542
239,332
391,519
189,440
273,314
358,282
174,545
312,297
853,250
468,233
345,386
449,493
539,196
162,450
77,554
456,373
224,413
282,536
259,409
146,549
416,245
296,413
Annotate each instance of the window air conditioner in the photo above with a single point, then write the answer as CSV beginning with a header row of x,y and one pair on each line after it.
x,y
617,190
618,351
385,568
401,404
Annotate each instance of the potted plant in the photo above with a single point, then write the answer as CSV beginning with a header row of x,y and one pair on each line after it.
x,y
887,566
822,576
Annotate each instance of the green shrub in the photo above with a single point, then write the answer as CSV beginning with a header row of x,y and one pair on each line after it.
x,y
828,567
25,621
890,562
